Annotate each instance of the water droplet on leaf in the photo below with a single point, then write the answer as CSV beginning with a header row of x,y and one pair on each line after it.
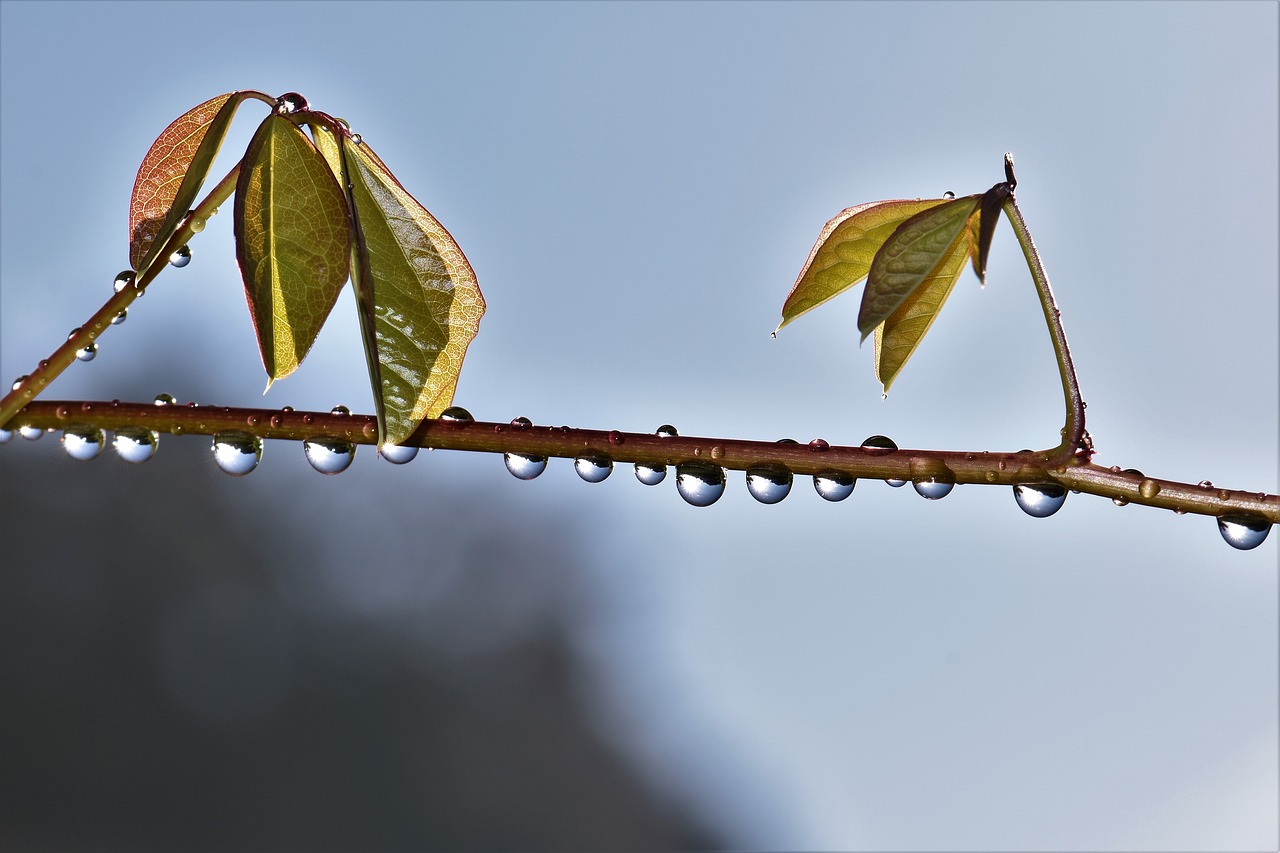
x,y
1040,500
135,445
88,352
524,467
699,484
290,102
948,194
593,469
769,485
1243,531
649,475
83,442
833,485
181,257
329,454
398,454
933,489
237,452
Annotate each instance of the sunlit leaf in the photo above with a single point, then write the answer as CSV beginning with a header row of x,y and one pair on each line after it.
x,y
172,173
420,303
293,242
843,253
899,335
910,256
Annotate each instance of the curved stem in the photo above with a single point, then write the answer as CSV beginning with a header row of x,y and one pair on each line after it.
x,y
976,467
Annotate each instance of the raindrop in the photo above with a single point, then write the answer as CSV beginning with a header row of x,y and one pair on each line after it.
x,y
123,280
398,454
769,485
700,484
355,138
6,436
1243,531
88,352
181,257
120,318
1040,500
1120,501
834,485
819,445
1205,484
329,454
897,484
593,469
879,445
290,102
651,475
456,414
339,410
666,431
1148,489
136,445
30,433
83,442
948,194
933,489
166,400
17,383
521,423
524,467
786,441
237,452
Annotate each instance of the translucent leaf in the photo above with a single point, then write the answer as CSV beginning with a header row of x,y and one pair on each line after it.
x,y
910,256
898,336
843,253
172,173
293,242
420,303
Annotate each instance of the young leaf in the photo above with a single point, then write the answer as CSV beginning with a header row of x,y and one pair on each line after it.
x,y
912,252
172,173
842,255
992,203
420,303
293,242
899,335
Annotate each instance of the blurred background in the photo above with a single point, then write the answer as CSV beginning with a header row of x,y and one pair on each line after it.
x,y
441,656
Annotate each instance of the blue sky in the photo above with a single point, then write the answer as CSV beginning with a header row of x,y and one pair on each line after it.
x,y
637,186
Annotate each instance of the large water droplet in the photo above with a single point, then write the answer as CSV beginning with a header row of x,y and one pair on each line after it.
x,y
290,102
166,400
88,352
1243,531
833,485
933,489
1148,488
329,454
398,454
666,431
135,445
521,423
31,433
237,452
524,467
1040,500
769,485
123,280
181,257
698,483
17,383
339,410
948,194
457,415
593,469
879,445
649,475
83,442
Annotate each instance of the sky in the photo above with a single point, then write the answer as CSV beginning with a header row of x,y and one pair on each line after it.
x,y
637,186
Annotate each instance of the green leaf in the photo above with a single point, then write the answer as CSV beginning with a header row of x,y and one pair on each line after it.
x,y
420,305
172,173
293,242
843,253
898,336
909,257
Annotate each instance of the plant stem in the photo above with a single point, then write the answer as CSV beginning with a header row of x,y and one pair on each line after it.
x,y
976,467
50,368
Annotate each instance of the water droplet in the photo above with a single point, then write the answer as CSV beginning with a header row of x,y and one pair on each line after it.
x,y
1148,489
1120,501
181,257
329,454
666,431
457,415
593,469
88,352
398,454
948,194
1243,531
933,489
83,442
123,280
819,445
1134,471
616,438
1205,484
521,423
1040,500
237,452
339,410
833,485
769,485
879,445
700,484
290,102
355,138
649,475
197,224
135,445
524,467
166,400
786,441
17,383
120,318
6,436
31,433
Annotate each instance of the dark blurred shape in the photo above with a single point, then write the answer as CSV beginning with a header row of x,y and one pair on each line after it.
x,y
166,683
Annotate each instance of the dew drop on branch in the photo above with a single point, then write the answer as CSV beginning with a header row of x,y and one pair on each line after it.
x,y
83,442
666,431
524,467
1040,500
593,469
329,454
237,452
1243,531
398,454
6,436
700,484
833,485
650,475
135,445
123,280
769,485
88,352
933,489
31,433
457,415
181,257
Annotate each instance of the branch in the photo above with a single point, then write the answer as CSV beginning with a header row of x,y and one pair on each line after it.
x,y
816,458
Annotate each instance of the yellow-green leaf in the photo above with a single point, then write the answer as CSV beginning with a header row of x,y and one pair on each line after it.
x,y
898,336
909,257
172,173
293,242
420,303
843,253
